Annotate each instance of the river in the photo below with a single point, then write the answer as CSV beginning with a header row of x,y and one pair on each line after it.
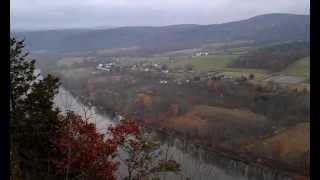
x,y
196,164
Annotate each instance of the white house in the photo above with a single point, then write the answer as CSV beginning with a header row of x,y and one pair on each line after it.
x,y
103,69
134,67
163,82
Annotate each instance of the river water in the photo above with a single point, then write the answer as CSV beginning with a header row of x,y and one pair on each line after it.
x,y
196,164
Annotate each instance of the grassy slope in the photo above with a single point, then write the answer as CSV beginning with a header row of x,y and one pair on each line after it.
x,y
292,143
299,68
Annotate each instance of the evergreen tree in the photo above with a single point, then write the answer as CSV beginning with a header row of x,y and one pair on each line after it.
x,y
48,145
32,116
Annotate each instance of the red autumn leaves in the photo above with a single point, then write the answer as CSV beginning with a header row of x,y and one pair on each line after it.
x,y
82,151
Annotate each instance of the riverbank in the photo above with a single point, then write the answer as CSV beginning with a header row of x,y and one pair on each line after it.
x,y
246,164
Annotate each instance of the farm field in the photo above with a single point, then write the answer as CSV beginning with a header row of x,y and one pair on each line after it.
x,y
239,72
218,63
282,144
204,64
296,73
299,68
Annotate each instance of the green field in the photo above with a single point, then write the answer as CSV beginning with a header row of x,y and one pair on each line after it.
x,y
299,68
217,63
204,64
238,72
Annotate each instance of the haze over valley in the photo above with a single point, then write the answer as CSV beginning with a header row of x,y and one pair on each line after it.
x,y
233,94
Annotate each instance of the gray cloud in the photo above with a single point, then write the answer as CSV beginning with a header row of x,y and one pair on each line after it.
x,y
44,14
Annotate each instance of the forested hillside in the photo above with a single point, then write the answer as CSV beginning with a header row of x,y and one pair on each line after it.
x,y
265,28
275,57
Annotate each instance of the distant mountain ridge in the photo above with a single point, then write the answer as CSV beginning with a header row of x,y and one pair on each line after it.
x,y
263,28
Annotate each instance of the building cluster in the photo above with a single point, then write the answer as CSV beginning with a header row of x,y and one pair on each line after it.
x,y
201,54
163,82
154,67
146,67
180,76
106,67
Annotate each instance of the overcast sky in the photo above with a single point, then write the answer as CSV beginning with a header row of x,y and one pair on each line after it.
x,y
52,14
